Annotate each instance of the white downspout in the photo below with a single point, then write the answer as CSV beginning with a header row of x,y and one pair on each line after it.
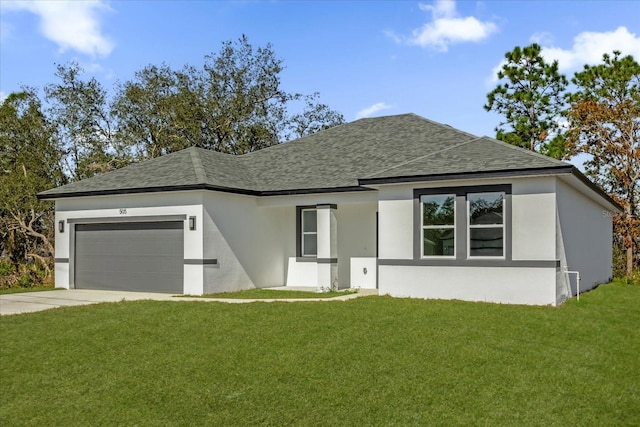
x,y
577,273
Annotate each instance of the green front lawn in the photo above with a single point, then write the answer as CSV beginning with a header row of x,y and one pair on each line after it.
x,y
369,361
277,294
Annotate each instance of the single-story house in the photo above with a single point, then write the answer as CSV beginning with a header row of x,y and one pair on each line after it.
x,y
400,203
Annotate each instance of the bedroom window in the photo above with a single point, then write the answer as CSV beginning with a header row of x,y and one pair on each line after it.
x,y
438,225
486,224
309,233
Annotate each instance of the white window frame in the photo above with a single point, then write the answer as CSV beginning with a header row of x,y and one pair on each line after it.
x,y
487,226
304,233
436,227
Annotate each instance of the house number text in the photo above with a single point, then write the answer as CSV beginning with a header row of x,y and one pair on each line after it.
x,y
123,211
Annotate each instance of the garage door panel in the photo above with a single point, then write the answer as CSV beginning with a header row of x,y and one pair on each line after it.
x,y
130,256
129,282
131,264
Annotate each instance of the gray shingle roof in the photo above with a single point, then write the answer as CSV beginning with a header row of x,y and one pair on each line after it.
x,y
341,158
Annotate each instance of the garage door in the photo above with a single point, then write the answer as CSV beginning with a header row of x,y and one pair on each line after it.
x,y
131,256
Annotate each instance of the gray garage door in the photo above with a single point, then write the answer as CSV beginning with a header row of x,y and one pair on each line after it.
x,y
146,257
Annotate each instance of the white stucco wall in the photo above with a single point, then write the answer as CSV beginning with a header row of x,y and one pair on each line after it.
x,y
187,203
301,273
586,230
533,207
395,222
533,286
250,242
551,222
355,218
533,245
364,272
356,236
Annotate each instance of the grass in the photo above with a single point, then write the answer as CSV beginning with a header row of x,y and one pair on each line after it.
x,y
277,294
375,361
22,290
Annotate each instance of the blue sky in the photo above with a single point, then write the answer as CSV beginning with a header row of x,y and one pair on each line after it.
x,y
366,58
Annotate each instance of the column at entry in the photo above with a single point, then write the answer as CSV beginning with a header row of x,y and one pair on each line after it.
x,y
327,247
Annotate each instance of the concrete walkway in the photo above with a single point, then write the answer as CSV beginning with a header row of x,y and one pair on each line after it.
x,y
29,302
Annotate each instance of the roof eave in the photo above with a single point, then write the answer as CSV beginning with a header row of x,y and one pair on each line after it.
x,y
141,190
293,192
287,192
554,170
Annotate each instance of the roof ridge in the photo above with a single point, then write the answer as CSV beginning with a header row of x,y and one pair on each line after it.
x,y
293,141
425,156
302,139
239,160
198,168
526,151
444,124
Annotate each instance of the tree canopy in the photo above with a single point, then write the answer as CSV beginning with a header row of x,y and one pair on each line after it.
x,y
233,104
604,122
530,95
29,158
597,115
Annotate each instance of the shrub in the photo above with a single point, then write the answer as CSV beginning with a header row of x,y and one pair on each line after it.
x,y
6,268
27,275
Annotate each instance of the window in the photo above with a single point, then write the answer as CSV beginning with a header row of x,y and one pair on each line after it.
x,y
309,234
463,225
486,224
438,225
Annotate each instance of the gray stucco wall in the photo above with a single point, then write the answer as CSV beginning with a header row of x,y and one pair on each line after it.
x,y
585,229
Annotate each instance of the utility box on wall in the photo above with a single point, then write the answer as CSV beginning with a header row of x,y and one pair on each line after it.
x,y
363,273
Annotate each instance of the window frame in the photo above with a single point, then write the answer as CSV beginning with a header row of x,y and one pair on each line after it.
x,y
486,226
461,250
437,226
300,233
308,233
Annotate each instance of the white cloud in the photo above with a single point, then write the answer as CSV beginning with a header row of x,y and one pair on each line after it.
x,y
493,78
542,38
72,25
3,96
588,48
372,109
447,27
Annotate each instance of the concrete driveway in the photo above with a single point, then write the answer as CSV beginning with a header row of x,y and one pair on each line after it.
x,y
37,301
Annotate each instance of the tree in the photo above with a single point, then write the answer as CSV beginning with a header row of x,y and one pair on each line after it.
x,y
29,163
314,118
531,99
153,113
79,110
604,122
233,104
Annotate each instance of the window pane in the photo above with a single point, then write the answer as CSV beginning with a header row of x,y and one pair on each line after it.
x,y
438,210
486,242
438,241
485,208
309,220
309,245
